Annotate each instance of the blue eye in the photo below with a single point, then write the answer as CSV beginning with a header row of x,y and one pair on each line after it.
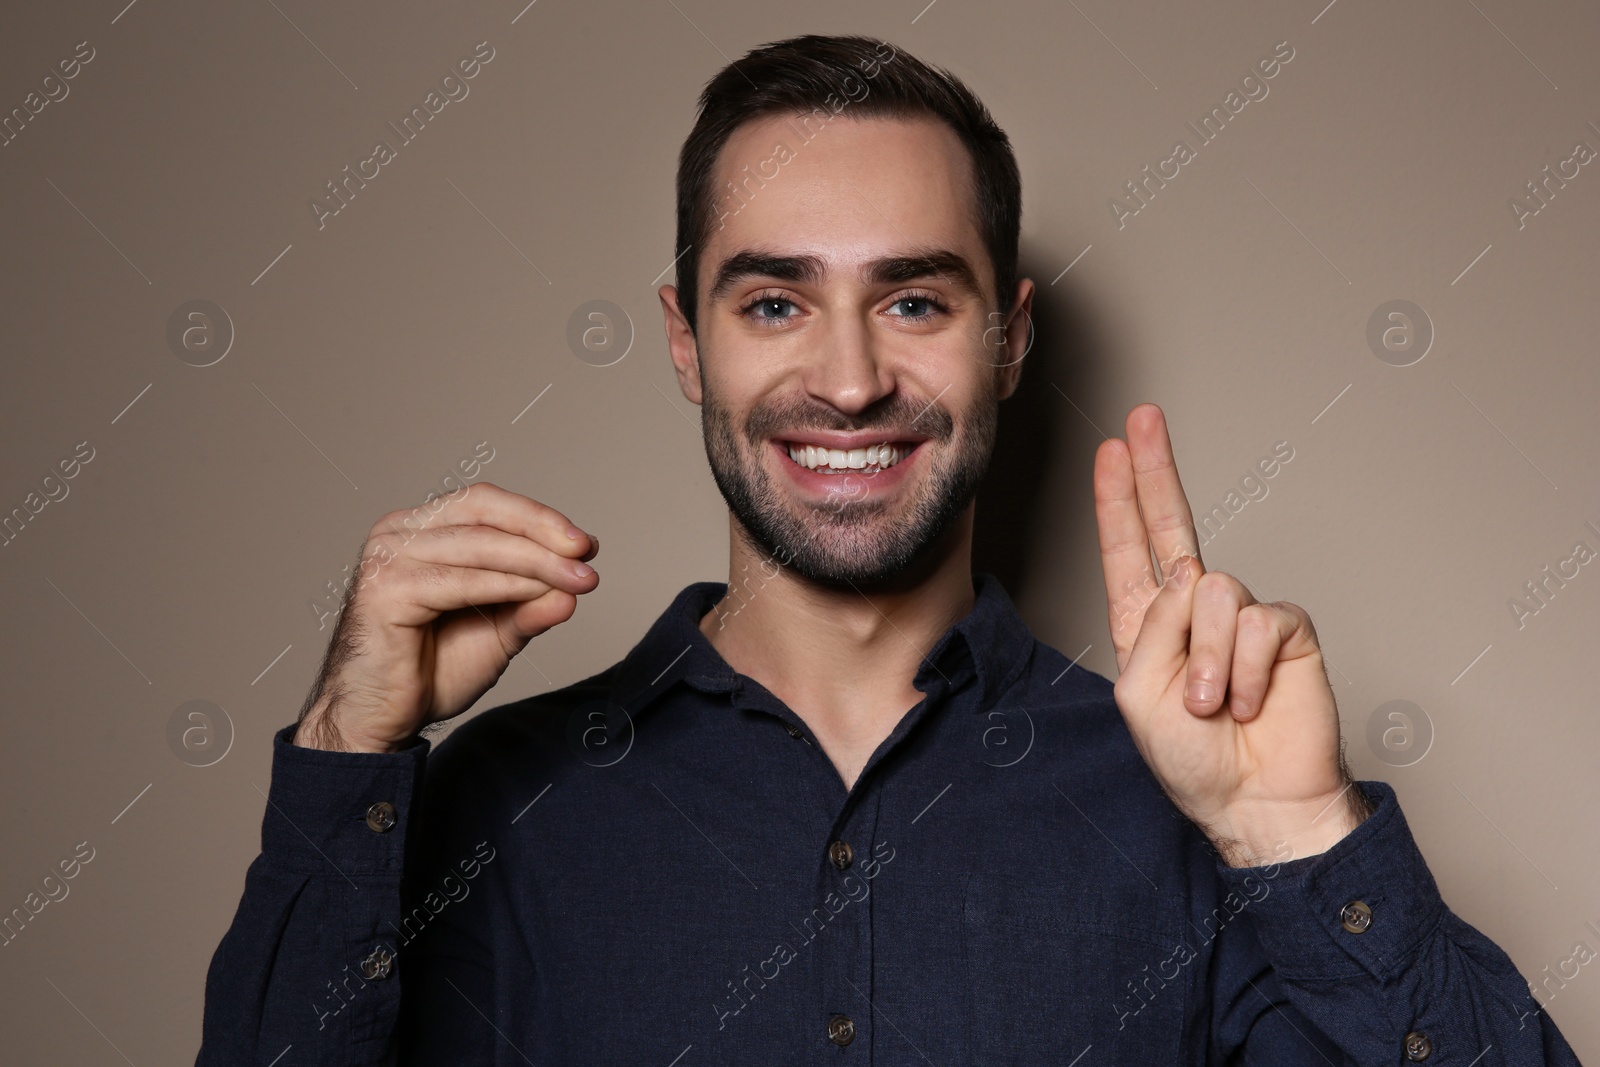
x,y
772,303
924,308
767,303
927,301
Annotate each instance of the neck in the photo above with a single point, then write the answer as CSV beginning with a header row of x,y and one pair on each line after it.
x,y
842,659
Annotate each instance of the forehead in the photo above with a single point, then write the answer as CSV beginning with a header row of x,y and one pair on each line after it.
x,y
858,190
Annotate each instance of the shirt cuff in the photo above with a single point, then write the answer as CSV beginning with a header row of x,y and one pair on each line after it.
x,y
340,813
1362,908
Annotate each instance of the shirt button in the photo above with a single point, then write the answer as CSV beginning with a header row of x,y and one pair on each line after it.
x,y
841,1030
380,817
1355,916
378,964
841,854
1418,1046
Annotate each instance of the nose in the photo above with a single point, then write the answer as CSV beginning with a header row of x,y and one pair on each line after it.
x,y
851,371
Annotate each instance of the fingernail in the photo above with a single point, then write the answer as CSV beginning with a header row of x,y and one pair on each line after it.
x,y
1202,692
574,533
582,570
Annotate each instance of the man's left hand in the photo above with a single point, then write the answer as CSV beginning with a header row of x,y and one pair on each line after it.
x,y
1226,698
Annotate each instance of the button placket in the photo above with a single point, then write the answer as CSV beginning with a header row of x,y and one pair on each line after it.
x,y
381,817
846,974
1418,1046
378,964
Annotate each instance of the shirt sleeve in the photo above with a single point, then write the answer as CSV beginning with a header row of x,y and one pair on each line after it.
x,y
310,961
1361,943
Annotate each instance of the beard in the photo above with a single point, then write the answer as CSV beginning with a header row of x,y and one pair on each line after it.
x,y
850,540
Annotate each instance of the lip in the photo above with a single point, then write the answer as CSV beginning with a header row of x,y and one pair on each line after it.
x,y
847,485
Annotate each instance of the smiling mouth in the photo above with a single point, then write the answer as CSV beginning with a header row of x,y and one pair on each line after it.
x,y
869,460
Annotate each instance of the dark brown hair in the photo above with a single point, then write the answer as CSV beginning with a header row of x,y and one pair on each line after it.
x,y
861,77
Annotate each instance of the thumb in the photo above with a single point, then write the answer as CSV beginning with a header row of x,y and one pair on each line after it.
x,y
522,621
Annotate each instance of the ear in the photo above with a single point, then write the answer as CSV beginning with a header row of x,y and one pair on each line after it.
x,y
1018,337
681,344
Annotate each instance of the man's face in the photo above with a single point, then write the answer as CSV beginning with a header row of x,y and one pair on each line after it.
x,y
849,360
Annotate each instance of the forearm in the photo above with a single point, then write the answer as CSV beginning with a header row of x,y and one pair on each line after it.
x,y
1365,947
310,959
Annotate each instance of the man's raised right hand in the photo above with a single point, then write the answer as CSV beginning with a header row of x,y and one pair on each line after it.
x,y
438,608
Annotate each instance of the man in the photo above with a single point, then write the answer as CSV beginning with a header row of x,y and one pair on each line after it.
x,y
844,805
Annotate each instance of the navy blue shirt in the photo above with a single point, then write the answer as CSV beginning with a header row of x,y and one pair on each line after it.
x,y
659,865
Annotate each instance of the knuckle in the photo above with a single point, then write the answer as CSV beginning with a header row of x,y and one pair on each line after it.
x,y
393,522
388,521
1112,546
429,574
373,559
1220,586
1214,587
1306,627
1255,622
455,495
418,519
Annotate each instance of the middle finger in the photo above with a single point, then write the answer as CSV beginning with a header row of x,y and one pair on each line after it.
x,y
1161,498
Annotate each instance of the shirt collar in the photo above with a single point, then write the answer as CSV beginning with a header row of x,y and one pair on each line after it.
x,y
990,644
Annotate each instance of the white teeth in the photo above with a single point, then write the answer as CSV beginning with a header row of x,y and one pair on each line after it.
x,y
881,457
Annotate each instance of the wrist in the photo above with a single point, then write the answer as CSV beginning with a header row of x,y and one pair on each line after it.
x,y
1256,834
318,728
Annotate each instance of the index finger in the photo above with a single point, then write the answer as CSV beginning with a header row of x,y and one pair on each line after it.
x,y
1124,547
487,504
1167,518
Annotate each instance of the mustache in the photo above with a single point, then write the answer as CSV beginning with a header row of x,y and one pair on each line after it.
x,y
892,415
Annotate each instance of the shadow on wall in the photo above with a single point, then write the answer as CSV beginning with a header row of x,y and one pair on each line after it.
x,y
1042,445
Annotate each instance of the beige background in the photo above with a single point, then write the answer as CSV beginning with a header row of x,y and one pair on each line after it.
x,y
377,352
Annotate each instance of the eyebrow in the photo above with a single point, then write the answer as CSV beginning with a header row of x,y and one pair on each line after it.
x,y
809,269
